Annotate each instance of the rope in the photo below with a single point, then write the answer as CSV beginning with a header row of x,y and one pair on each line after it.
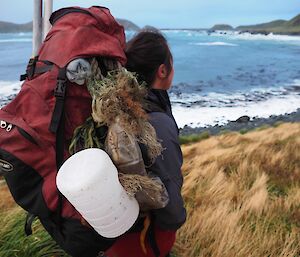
x,y
96,71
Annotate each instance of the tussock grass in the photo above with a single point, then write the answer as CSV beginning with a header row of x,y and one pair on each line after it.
x,y
242,195
13,241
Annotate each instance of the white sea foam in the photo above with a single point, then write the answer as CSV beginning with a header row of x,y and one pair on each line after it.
x,y
249,36
237,98
18,40
237,35
189,33
213,44
9,87
205,116
296,82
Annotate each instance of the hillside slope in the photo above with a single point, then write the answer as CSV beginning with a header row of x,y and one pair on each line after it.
x,y
9,27
291,27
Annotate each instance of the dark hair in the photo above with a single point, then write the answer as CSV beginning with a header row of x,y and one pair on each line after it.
x,y
145,52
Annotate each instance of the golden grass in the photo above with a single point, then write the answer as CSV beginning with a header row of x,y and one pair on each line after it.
x,y
242,195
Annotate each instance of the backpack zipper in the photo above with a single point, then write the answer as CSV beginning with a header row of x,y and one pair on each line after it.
x,y
27,136
8,127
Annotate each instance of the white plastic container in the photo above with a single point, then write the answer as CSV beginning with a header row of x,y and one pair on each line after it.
x,y
89,180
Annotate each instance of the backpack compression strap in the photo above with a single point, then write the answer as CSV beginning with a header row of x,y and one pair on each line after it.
x,y
28,223
152,240
57,126
32,70
59,93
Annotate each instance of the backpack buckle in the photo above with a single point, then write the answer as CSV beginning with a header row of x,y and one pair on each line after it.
x,y
60,90
31,67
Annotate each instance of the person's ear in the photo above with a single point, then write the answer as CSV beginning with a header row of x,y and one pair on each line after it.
x,y
162,71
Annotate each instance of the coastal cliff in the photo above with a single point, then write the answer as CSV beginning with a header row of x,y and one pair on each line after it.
x,y
281,27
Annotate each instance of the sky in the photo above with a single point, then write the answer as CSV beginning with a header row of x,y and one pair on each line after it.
x,y
171,13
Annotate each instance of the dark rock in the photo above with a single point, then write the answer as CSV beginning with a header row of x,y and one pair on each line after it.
x,y
243,119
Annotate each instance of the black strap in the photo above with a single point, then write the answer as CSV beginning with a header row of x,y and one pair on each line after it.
x,y
57,126
59,161
23,77
58,117
64,11
32,70
28,223
152,240
60,143
59,93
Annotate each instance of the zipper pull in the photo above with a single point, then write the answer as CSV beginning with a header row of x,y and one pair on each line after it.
x,y
3,124
9,127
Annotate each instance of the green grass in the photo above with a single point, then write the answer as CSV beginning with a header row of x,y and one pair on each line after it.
x,y
244,131
224,131
263,127
14,242
277,124
193,138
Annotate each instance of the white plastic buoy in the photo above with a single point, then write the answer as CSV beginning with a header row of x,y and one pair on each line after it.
x,y
89,180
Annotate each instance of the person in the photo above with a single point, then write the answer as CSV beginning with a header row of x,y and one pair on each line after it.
x,y
149,56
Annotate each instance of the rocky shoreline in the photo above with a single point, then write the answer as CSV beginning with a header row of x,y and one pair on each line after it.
x,y
6,100
243,124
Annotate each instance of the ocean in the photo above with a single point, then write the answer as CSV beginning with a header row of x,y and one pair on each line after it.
x,y
219,76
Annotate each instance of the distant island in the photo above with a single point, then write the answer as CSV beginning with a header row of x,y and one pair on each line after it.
x,y
282,27
9,27
222,27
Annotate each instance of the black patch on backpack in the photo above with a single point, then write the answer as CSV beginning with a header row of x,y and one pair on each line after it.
x,y
5,167
26,192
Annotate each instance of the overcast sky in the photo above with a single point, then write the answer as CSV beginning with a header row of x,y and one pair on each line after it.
x,y
171,13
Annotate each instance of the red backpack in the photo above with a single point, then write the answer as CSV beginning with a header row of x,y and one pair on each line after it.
x,y
37,126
